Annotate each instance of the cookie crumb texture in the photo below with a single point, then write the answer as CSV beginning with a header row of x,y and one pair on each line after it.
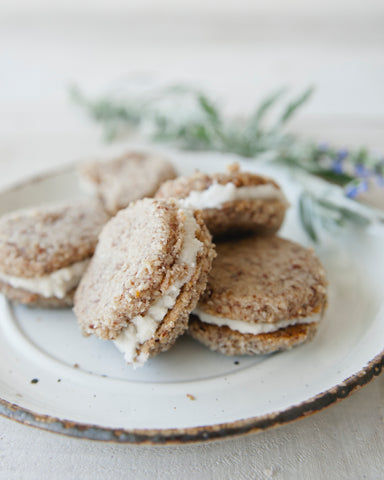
x,y
134,264
262,216
264,279
36,242
39,241
230,342
130,177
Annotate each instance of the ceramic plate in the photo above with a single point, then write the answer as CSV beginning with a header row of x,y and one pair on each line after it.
x,y
52,377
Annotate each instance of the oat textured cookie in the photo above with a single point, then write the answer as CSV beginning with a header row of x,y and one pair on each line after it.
x,y
45,250
264,294
148,272
233,202
121,180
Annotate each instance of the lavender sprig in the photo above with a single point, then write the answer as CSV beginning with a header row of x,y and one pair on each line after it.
x,y
191,120
318,213
354,170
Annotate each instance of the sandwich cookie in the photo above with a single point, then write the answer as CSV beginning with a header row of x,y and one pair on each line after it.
x,y
233,202
119,181
264,294
148,272
44,251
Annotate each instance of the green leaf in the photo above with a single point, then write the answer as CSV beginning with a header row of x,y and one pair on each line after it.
x,y
361,156
209,108
341,179
345,214
294,105
263,108
306,215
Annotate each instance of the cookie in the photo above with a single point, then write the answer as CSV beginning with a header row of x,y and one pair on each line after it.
x,y
232,203
264,294
44,251
148,272
121,180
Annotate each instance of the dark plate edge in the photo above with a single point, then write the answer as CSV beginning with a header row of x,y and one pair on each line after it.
x,y
200,433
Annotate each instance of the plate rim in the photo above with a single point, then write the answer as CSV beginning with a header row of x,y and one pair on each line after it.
x,y
187,435
204,433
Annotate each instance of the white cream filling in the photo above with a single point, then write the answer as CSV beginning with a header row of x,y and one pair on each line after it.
x,y
217,194
56,284
253,328
143,327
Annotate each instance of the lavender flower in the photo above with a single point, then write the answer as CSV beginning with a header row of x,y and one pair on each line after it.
x,y
337,166
338,162
362,171
355,188
341,154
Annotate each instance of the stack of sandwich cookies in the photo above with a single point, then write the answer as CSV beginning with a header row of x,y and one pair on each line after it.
x,y
264,294
121,180
233,202
139,280
148,272
44,251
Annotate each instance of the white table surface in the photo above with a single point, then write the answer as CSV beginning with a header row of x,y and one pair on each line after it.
x,y
39,130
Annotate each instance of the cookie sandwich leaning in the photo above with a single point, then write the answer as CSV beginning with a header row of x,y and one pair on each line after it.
x,y
148,272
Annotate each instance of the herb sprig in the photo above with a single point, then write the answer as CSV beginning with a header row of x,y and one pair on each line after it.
x,y
202,124
189,119
317,213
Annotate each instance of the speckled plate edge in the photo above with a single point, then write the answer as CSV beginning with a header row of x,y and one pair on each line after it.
x,y
192,434
201,433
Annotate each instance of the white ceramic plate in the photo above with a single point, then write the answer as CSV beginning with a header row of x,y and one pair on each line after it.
x,y
52,377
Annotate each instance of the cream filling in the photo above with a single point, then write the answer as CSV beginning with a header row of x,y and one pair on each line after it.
x,y
143,327
56,284
217,194
253,328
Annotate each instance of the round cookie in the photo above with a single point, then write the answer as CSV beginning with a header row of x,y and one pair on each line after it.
x,y
231,342
121,180
45,250
148,272
233,202
264,294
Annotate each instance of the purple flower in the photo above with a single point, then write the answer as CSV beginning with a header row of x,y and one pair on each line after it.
x,y
337,166
341,154
361,170
354,189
